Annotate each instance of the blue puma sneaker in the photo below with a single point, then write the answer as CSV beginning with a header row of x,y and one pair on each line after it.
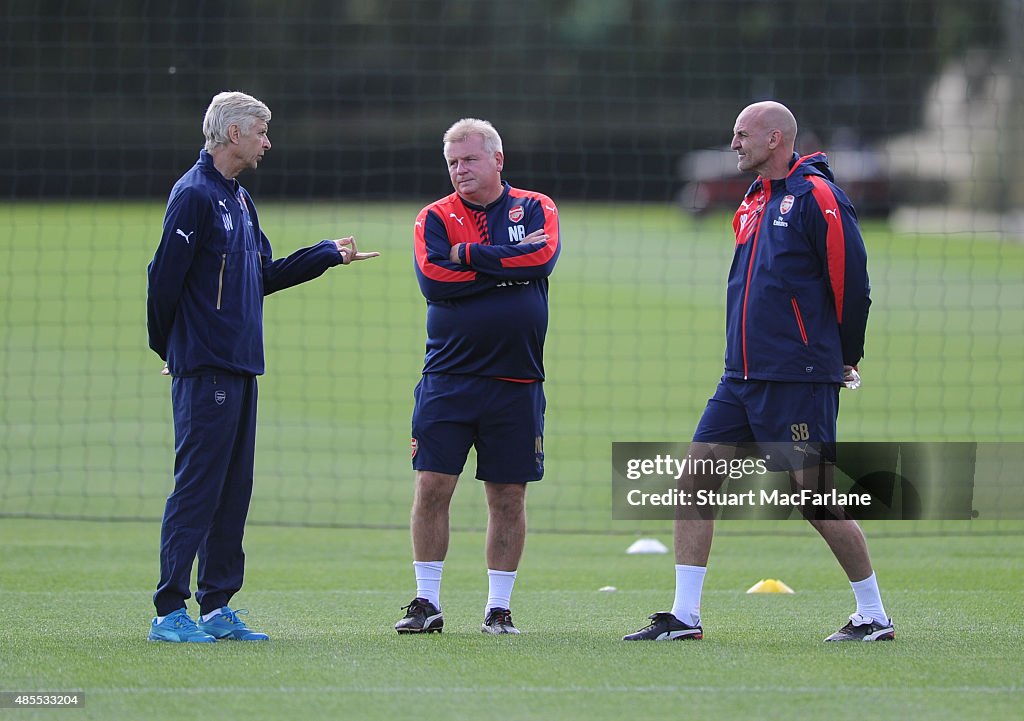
x,y
178,627
228,625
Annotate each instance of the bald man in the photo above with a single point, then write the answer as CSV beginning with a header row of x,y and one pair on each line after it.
x,y
797,309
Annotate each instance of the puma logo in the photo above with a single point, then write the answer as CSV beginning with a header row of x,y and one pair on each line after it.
x,y
453,215
222,204
833,212
183,235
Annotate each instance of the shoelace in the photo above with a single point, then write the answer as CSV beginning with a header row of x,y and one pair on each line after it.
x,y
502,617
232,616
655,618
184,621
414,608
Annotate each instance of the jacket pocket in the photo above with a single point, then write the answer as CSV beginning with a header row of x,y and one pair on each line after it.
x,y
220,279
799,320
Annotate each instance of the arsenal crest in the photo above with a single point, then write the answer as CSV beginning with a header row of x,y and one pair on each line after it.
x,y
787,204
516,214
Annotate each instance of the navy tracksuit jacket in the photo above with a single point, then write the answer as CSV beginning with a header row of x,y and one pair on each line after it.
x,y
207,280
210,273
798,292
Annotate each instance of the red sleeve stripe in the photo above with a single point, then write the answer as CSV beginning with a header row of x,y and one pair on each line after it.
x,y
431,270
835,240
535,257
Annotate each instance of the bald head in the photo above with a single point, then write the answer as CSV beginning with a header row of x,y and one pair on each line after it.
x,y
771,115
764,137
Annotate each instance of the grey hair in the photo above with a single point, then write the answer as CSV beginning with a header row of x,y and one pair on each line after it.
x,y
462,129
227,109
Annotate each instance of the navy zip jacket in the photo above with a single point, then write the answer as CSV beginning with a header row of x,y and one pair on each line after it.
x,y
209,275
798,293
488,315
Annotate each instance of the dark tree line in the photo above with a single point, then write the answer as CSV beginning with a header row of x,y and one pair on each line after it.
x,y
595,98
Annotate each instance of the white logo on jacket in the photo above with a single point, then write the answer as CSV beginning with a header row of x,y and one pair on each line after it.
x,y
183,234
453,215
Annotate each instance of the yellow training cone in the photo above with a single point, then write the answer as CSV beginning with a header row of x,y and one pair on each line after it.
x,y
770,585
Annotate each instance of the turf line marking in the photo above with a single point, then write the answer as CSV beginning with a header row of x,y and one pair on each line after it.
x,y
574,688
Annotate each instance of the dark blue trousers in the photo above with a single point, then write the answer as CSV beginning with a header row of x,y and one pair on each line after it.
x,y
214,446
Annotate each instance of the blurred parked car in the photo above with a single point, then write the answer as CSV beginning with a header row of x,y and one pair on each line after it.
x,y
712,182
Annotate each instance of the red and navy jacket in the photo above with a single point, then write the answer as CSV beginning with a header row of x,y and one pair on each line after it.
x,y
488,315
798,293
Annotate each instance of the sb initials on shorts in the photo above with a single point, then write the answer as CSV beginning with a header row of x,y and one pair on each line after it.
x,y
770,412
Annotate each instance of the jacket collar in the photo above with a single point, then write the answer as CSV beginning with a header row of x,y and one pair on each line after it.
x,y
800,166
505,187
804,166
205,163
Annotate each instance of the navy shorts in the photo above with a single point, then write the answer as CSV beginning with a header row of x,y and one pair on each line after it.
x,y
772,412
504,420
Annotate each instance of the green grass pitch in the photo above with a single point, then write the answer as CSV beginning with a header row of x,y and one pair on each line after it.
x,y
74,604
634,349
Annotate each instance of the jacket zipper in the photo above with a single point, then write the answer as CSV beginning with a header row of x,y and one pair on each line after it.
x,y
766,190
220,278
799,320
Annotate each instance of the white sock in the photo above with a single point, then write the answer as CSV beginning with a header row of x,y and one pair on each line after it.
x,y
207,616
428,580
499,589
689,584
869,599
